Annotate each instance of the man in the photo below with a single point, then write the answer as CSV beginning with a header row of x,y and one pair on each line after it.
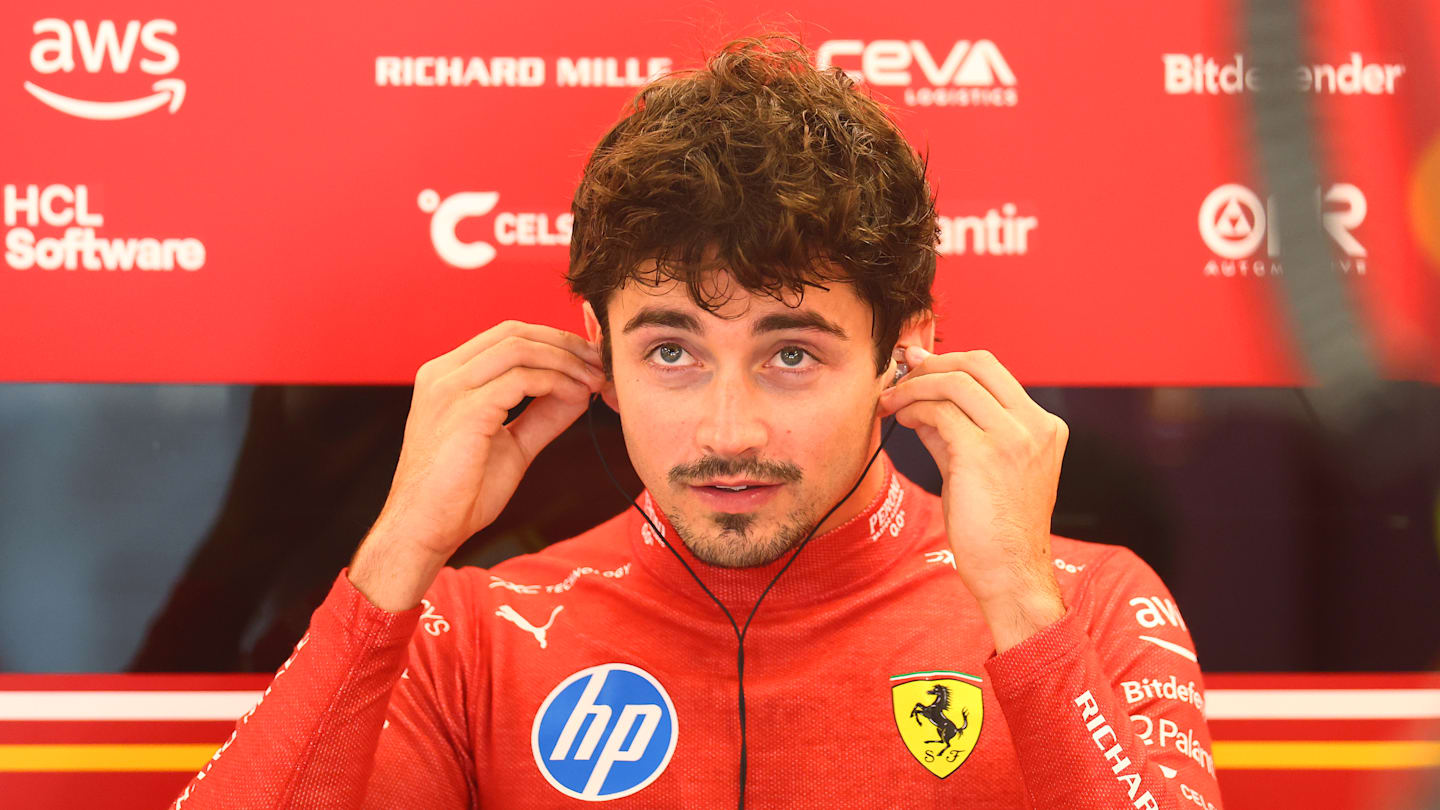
x,y
754,244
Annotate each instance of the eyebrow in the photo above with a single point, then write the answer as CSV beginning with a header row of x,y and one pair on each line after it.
x,y
806,320
660,316
775,322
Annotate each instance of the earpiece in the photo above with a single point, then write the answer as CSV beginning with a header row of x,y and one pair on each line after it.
x,y
901,369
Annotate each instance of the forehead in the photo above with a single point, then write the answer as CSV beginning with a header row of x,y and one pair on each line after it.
x,y
732,307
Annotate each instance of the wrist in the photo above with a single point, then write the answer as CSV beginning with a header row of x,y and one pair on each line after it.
x,y
1019,612
392,571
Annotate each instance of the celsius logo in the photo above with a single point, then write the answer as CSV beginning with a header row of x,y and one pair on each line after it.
x,y
1234,223
604,732
970,75
59,42
511,228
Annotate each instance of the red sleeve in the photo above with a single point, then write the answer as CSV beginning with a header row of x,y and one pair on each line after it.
x,y
355,717
1106,705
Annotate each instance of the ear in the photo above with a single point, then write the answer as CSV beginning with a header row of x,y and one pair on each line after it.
x,y
596,335
592,323
919,330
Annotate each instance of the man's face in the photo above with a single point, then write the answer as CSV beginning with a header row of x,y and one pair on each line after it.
x,y
746,424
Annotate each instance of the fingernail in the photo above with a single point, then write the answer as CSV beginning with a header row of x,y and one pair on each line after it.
x,y
915,355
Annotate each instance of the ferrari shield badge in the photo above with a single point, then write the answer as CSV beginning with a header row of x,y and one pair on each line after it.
x,y
939,716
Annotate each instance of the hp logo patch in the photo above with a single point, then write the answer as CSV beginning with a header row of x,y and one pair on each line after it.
x,y
604,732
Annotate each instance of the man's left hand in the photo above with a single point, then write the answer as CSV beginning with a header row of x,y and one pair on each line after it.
x,y
999,455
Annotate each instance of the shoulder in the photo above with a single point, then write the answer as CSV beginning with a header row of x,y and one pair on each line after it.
x,y
463,600
1084,560
602,552
1119,593
1100,573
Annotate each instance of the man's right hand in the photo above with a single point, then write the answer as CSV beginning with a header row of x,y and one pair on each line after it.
x,y
460,462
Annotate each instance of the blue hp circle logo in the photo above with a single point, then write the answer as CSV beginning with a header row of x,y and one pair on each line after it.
x,y
604,732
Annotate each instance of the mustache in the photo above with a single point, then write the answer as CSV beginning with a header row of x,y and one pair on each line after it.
x,y
718,466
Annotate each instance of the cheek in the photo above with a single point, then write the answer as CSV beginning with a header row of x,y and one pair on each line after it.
x,y
657,434
819,430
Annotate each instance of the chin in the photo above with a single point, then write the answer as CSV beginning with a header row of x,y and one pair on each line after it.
x,y
752,556
731,540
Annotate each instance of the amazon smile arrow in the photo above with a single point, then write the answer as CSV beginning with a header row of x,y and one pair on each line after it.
x,y
170,91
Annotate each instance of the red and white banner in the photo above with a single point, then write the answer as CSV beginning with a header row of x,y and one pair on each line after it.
x,y
331,192
1342,742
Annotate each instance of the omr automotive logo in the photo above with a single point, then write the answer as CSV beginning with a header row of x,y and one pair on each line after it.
x,y
1234,223
527,229
604,733
969,74
106,48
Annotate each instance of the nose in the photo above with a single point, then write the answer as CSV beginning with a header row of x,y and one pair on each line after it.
x,y
733,421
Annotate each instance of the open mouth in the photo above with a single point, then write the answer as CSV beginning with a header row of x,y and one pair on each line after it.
x,y
737,496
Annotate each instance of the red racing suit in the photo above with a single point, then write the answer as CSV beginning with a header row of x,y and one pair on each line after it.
x,y
599,669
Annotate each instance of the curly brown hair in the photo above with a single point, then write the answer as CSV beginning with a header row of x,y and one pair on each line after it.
x,y
760,164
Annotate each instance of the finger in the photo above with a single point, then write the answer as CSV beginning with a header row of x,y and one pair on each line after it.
x,y
959,388
519,352
1062,438
942,426
547,418
981,365
506,391
558,338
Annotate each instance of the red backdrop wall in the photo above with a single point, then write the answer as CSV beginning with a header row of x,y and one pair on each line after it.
x,y
336,193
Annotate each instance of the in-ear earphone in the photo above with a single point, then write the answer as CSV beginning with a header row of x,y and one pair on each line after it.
x,y
901,368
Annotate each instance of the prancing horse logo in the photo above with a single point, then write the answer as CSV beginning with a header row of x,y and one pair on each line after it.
x,y
935,713
939,715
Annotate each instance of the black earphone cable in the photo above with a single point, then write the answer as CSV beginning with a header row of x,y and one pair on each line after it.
x,y
740,632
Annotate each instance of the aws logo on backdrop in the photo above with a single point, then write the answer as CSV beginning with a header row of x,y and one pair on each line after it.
x,y
64,47
509,228
961,74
